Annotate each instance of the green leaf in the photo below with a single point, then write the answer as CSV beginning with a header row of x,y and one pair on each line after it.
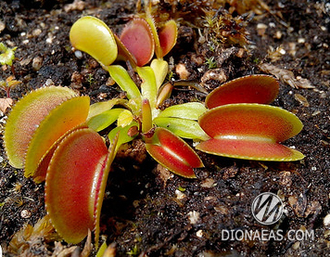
x,y
104,119
124,81
190,111
146,116
148,86
160,67
102,249
182,127
125,134
100,107
125,118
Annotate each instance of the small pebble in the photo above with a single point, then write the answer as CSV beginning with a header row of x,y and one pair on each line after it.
x,y
208,183
37,63
296,245
272,25
193,217
48,83
278,34
326,220
261,29
199,233
76,5
50,38
199,60
25,214
2,26
78,54
182,71
301,40
36,32
179,194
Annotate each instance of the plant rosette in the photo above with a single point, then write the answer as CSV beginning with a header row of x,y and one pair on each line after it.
x,y
53,133
60,133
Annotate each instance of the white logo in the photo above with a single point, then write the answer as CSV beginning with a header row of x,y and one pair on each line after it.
x,y
267,208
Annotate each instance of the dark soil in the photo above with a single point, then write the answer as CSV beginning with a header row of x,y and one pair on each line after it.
x,y
145,211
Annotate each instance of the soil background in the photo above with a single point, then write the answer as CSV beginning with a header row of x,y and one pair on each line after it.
x,y
147,211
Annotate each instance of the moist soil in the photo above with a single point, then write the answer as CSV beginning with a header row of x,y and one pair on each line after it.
x,y
146,210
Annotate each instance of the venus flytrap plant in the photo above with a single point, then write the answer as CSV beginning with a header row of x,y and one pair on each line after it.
x,y
52,132
103,48
173,153
239,130
74,208
260,89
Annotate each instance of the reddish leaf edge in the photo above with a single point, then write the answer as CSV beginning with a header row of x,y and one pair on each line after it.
x,y
248,150
101,183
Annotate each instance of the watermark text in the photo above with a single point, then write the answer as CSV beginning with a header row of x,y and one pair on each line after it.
x,y
266,235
